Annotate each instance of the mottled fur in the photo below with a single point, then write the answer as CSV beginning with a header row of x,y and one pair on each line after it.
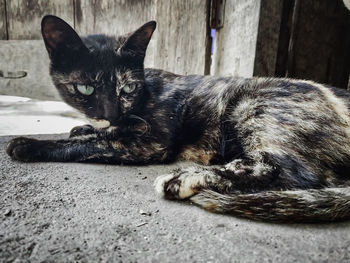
x,y
282,145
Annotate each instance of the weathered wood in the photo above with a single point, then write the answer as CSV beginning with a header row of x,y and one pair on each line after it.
x,y
321,43
268,38
182,36
24,16
284,38
112,17
171,44
235,43
177,50
115,18
293,37
3,32
29,56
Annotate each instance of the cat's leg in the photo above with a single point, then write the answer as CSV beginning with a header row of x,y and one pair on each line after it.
x,y
184,183
265,167
239,176
88,148
78,148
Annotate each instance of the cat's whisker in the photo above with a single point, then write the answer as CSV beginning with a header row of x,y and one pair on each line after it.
x,y
99,75
148,127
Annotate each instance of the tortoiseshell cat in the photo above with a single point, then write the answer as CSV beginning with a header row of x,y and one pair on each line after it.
x,y
284,145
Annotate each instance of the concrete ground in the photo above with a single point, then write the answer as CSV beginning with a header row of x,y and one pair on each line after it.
x,y
65,212
21,115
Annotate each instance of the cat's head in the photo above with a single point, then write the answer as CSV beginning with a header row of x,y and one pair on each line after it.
x,y
101,76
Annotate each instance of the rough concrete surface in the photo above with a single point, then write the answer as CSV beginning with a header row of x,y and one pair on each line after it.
x,y
21,115
67,212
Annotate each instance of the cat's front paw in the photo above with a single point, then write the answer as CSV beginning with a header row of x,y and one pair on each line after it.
x,y
81,130
24,149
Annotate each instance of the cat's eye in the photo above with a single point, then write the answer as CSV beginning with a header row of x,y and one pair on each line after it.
x,y
128,88
85,89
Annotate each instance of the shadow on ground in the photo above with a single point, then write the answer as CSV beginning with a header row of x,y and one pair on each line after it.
x,y
64,212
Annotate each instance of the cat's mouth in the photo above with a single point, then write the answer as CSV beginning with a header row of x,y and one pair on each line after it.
x,y
103,124
100,124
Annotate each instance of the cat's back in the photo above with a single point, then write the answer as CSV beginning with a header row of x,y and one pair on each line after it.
x,y
301,98
296,103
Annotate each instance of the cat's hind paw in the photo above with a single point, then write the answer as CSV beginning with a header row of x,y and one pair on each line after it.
x,y
162,187
183,183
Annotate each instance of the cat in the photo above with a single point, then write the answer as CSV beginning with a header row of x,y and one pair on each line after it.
x,y
279,148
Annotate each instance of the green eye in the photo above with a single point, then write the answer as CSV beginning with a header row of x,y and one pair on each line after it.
x,y
128,88
85,89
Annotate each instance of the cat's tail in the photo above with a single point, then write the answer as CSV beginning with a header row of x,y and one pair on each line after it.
x,y
309,206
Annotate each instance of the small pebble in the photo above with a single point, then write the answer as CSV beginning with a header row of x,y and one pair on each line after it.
x,y
8,212
145,213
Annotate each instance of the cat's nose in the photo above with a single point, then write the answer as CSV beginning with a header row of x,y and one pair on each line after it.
x,y
112,115
110,111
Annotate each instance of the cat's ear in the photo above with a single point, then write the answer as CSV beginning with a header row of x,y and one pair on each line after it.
x,y
137,42
58,35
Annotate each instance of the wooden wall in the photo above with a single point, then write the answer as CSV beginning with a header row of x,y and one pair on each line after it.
x,y
3,33
307,39
183,36
115,18
235,42
320,42
179,43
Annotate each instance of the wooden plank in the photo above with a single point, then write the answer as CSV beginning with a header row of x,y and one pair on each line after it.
x,y
3,32
268,38
29,56
321,44
24,16
115,18
112,17
235,43
173,40
182,36
284,38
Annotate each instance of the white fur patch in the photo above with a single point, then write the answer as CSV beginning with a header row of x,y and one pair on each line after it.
x,y
188,182
100,123
161,181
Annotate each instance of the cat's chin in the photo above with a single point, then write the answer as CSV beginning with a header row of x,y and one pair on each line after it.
x,y
100,124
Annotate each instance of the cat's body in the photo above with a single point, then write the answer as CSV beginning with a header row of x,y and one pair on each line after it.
x,y
273,135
